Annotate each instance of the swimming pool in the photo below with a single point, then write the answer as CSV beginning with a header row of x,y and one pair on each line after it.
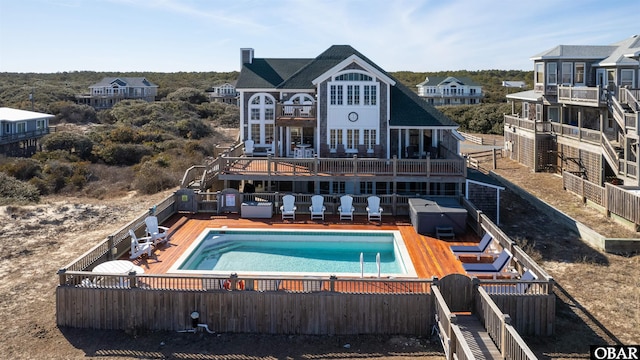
x,y
253,252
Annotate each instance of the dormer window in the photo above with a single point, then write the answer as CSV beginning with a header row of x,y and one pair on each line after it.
x,y
353,89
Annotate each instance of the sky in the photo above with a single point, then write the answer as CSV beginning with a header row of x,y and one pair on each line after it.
x,y
49,36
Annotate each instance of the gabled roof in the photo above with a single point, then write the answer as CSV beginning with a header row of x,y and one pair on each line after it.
x,y
407,108
601,55
124,81
10,114
444,80
268,73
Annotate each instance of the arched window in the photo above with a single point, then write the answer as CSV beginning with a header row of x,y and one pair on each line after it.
x,y
261,118
353,88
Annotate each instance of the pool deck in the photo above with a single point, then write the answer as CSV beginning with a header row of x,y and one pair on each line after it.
x,y
430,256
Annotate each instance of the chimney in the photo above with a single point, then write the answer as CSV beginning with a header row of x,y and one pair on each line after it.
x,y
246,56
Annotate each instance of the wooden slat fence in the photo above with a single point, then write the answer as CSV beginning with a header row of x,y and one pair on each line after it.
x,y
498,325
453,341
615,199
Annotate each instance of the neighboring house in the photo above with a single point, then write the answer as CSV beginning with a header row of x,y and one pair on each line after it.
x,y
111,90
20,131
342,105
582,115
449,90
224,93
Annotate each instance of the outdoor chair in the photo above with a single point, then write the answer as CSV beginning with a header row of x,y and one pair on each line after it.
x,y
288,207
140,246
346,208
248,147
158,234
498,266
480,249
317,207
374,211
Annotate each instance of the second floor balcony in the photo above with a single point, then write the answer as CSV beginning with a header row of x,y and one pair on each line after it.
x,y
297,113
582,95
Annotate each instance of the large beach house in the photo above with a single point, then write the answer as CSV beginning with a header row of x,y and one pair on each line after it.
x,y
582,115
111,90
341,105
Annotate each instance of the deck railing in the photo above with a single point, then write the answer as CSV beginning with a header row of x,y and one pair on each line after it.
x,y
13,137
580,95
498,325
453,341
341,167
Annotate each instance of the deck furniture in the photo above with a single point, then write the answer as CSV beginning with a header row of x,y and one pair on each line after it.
x,y
140,246
158,234
519,288
119,267
253,209
498,266
445,232
248,147
428,213
374,211
288,207
317,207
346,208
480,249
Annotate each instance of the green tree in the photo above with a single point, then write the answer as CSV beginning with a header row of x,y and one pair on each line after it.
x,y
73,143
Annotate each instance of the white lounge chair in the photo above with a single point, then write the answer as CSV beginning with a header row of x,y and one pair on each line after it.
x,y
158,234
477,250
288,207
520,288
248,147
498,266
317,207
374,211
140,246
346,208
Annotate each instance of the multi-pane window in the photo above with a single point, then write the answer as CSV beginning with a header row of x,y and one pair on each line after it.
x,y
567,73
552,73
369,138
335,138
553,114
353,94
353,135
539,73
21,127
626,77
268,132
41,124
539,110
255,114
255,131
370,94
579,74
525,110
269,114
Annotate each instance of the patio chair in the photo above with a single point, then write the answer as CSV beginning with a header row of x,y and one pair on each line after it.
x,y
248,147
317,207
374,211
478,250
158,234
498,266
346,208
140,246
288,207
520,288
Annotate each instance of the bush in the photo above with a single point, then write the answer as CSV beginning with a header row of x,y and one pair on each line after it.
x,y
191,95
73,113
152,178
13,190
73,143
123,154
22,169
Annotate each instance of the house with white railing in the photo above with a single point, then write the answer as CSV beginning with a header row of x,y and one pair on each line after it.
x,y
111,90
343,110
223,92
582,115
449,90
20,131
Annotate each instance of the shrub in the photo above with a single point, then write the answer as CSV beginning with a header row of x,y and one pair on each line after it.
x,y
22,169
73,143
191,95
123,154
13,190
151,178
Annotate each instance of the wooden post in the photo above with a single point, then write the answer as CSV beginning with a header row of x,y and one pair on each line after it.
x,y
495,166
62,277
506,319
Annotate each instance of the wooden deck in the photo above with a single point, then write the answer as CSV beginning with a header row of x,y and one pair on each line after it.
x,y
430,256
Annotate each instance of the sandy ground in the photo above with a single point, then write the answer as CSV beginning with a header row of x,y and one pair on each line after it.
x,y
598,294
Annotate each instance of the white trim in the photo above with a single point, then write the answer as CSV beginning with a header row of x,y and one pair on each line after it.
x,y
352,59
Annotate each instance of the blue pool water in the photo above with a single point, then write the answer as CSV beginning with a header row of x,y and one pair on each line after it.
x,y
296,252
